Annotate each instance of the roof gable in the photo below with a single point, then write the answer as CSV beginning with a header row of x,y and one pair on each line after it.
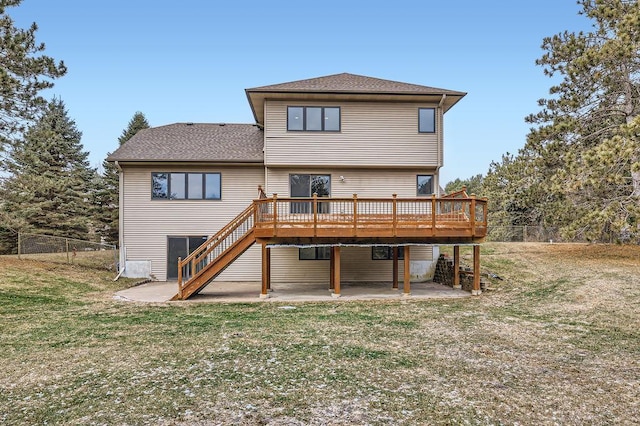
x,y
352,83
350,87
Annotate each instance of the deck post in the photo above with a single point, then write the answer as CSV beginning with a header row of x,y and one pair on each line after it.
x,y
395,268
275,213
266,273
476,271
180,278
332,269
433,214
315,214
336,271
395,214
268,269
355,215
456,267
407,271
472,215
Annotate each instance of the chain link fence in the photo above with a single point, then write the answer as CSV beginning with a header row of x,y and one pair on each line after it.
x,y
533,234
48,248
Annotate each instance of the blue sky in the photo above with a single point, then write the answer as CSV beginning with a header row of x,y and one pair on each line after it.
x,y
191,60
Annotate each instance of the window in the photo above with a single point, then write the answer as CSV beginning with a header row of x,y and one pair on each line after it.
x,y
314,253
425,185
306,186
185,186
313,119
385,253
426,120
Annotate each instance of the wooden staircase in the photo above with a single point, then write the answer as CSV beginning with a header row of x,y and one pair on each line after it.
x,y
215,255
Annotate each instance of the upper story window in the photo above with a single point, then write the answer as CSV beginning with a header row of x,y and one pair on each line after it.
x,y
425,185
426,120
313,119
185,186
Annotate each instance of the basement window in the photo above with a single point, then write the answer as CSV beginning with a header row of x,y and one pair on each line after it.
x,y
314,253
185,186
385,253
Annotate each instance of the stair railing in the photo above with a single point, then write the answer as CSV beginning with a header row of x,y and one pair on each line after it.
x,y
193,265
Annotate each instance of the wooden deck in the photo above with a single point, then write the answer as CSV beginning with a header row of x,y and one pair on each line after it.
x,y
453,219
370,220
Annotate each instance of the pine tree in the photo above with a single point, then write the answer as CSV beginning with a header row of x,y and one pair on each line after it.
x,y
580,166
473,185
51,183
23,74
107,196
138,122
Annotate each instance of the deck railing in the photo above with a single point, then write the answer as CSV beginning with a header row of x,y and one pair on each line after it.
x,y
371,217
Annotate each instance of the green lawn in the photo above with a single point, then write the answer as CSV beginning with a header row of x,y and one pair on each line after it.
x,y
556,342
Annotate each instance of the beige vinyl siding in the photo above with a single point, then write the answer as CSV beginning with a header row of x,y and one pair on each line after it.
x,y
355,265
146,223
364,182
286,268
372,134
356,262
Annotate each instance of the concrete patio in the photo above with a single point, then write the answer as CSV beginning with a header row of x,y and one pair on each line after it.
x,y
158,292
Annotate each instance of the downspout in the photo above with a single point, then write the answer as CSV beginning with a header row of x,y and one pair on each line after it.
x,y
264,148
440,141
123,253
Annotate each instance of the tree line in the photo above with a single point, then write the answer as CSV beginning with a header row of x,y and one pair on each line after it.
x,y
579,169
46,182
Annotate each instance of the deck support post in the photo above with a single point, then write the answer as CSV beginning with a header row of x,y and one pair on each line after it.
x,y
395,268
336,271
476,271
180,279
332,269
456,267
266,272
407,271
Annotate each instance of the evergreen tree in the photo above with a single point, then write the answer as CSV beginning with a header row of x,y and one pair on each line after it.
x,y
473,185
107,196
585,142
138,122
23,74
580,166
51,183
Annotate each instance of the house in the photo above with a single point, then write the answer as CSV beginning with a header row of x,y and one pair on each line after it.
x,y
348,171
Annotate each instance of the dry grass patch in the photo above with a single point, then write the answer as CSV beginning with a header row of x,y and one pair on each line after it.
x,y
556,342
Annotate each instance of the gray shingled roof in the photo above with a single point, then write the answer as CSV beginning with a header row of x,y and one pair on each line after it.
x,y
347,86
194,142
352,83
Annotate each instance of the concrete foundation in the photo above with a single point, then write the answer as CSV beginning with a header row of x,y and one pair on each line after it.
x,y
137,269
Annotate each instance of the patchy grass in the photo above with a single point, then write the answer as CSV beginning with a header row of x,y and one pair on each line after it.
x,y
556,342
